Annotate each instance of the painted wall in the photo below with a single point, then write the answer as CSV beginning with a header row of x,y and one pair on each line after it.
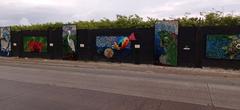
x,y
166,33
35,44
114,47
5,38
223,47
69,41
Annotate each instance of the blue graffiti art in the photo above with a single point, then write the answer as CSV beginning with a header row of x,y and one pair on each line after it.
x,y
223,47
5,41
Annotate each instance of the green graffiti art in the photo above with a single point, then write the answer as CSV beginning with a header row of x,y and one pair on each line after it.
x,y
166,33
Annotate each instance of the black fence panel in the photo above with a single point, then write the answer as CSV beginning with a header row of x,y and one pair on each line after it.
x,y
83,45
15,43
51,45
226,55
187,47
144,54
56,44
197,46
101,45
34,44
139,50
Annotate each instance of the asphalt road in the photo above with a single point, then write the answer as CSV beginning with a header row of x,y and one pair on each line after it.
x,y
30,85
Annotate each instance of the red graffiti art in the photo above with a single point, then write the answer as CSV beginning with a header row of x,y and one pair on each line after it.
x,y
35,46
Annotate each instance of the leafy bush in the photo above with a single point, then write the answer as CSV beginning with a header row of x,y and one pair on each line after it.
x,y
216,18
134,21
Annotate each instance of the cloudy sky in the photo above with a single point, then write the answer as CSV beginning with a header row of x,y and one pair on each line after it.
x,y
23,12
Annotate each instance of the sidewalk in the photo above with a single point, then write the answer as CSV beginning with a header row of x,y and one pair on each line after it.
x,y
214,72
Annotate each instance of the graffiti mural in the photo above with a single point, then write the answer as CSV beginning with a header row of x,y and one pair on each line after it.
x,y
35,44
166,33
69,41
5,38
114,47
223,47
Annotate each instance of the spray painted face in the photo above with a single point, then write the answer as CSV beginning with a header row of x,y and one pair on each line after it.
x,y
108,53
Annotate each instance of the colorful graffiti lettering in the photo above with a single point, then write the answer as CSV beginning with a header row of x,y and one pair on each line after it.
x,y
121,44
223,47
166,33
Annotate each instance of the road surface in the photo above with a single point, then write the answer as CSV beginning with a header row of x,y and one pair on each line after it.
x,y
62,85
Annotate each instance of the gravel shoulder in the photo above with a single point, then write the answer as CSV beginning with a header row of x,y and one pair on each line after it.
x,y
153,69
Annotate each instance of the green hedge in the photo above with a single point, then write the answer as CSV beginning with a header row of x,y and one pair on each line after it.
x,y
135,21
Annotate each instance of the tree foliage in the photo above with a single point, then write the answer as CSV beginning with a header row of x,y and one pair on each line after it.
x,y
216,18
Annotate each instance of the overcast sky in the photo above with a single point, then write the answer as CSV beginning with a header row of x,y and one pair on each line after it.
x,y
15,12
